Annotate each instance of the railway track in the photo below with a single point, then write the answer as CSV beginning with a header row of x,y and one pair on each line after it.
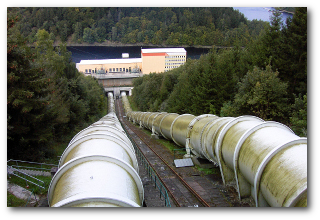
x,y
181,191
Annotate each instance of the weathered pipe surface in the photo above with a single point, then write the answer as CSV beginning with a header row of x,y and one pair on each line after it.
x,y
264,160
98,168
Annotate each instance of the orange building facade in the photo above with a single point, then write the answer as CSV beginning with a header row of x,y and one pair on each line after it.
x,y
155,60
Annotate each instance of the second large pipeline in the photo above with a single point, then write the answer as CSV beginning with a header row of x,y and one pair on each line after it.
x,y
262,159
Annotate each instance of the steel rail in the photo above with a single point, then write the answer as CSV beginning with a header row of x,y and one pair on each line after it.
x,y
171,193
180,178
118,111
191,190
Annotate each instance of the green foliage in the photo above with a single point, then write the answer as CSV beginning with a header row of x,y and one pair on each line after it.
x,y
298,119
89,35
263,79
27,101
262,93
47,98
171,26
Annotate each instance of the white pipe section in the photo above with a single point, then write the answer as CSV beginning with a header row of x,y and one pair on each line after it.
x,y
98,168
265,160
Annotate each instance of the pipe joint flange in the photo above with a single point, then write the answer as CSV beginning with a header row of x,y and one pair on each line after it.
x,y
171,129
243,139
222,134
266,160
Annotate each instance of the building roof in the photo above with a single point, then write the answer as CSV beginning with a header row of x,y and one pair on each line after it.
x,y
163,50
168,51
107,61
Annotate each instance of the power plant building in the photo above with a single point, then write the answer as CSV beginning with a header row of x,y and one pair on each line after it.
x,y
162,59
152,60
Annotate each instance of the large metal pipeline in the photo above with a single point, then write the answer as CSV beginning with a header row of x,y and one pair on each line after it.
x,y
262,159
98,168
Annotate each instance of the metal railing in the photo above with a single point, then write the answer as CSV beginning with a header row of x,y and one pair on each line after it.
x,y
157,183
14,168
20,164
116,75
29,198
11,171
150,171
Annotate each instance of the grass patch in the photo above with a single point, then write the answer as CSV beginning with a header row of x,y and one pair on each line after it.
x,y
207,171
132,104
37,190
13,201
179,154
170,145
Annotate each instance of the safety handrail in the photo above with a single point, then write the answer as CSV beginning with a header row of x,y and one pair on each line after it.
x,y
29,198
23,173
151,173
17,164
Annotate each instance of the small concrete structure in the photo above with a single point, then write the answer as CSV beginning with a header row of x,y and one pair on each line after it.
x,y
117,90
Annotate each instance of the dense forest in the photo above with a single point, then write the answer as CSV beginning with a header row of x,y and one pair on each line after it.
x,y
264,73
47,98
158,26
267,78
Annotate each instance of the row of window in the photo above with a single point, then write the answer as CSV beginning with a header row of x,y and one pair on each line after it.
x,y
110,70
176,60
171,67
119,69
173,64
175,56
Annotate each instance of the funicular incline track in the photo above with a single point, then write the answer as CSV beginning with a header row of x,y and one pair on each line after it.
x,y
185,184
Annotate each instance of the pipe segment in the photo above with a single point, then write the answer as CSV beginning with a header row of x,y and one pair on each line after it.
x,y
264,160
99,168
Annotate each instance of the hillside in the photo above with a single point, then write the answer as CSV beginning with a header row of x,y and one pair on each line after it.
x,y
267,78
157,26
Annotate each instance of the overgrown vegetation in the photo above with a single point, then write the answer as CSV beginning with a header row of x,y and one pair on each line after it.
x,y
47,98
267,78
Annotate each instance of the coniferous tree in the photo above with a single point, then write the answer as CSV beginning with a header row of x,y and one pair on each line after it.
x,y
27,99
263,94
293,57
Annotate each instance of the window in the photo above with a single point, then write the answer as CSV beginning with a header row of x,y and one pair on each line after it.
x,y
117,69
86,70
120,69
89,70
110,70
114,70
